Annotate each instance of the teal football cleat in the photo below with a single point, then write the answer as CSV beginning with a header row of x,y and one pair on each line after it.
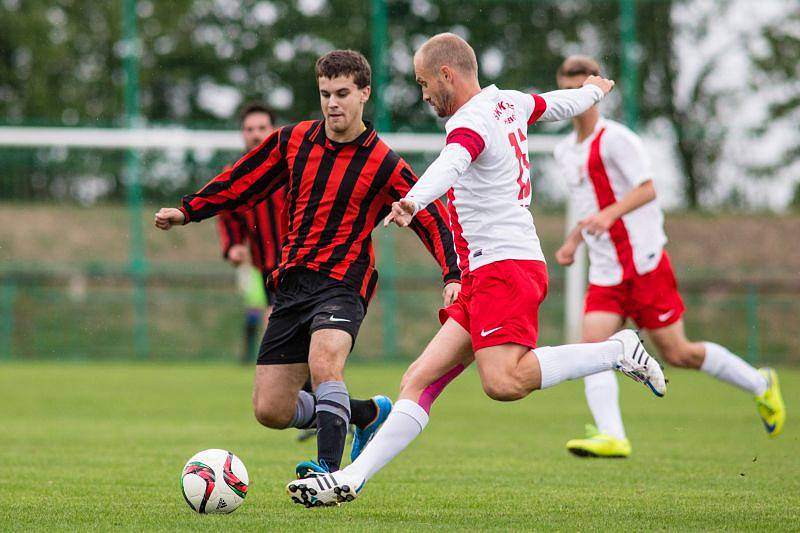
x,y
306,469
362,436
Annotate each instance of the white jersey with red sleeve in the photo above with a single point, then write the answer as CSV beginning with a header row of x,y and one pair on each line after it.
x,y
485,171
599,171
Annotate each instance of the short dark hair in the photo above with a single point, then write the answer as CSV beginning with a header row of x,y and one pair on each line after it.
x,y
578,65
345,63
257,107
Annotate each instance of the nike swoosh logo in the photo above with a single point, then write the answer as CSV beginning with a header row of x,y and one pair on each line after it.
x,y
769,427
665,316
334,319
484,333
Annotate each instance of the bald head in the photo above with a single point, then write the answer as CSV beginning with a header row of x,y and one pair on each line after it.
x,y
448,49
578,65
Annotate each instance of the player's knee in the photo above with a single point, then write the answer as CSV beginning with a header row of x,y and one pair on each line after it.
x,y
503,388
267,415
323,368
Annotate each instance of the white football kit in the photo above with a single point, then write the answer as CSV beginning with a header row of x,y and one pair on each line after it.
x,y
485,168
599,171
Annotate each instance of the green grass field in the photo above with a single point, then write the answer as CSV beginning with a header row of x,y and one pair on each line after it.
x,y
100,447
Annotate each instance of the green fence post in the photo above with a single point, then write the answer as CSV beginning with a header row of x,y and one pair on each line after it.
x,y
630,63
753,334
138,267
8,292
383,123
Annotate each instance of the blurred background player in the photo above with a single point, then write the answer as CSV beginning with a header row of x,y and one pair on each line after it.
x,y
611,188
260,230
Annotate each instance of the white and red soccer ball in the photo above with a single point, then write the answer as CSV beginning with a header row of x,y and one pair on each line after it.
x,y
214,481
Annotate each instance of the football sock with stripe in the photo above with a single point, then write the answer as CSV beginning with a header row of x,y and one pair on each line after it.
x,y
362,412
602,395
305,415
333,418
406,421
571,361
726,366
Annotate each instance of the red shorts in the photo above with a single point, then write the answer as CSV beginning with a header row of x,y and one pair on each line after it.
x,y
651,300
499,303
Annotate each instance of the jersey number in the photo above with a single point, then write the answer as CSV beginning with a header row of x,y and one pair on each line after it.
x,y
522,159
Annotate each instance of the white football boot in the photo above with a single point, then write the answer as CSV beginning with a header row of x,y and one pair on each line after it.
x,y
637,364
325,489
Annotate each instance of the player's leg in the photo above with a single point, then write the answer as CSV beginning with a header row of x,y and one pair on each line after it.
x,y
278,401
441,361
252,321
607,437
252,286
719,362
504,326
445,357
326,358
281,371
512,371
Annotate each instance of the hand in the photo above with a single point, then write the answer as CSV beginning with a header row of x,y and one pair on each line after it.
x,y
565,255
237,254
605,84
597,223
168,217
450,292
402,213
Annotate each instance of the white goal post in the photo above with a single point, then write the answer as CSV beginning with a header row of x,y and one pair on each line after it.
x,y
165,138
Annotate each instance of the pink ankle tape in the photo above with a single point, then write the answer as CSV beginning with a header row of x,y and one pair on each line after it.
x,y
433,390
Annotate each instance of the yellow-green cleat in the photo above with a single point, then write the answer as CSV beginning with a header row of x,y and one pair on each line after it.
x,y
770,404
598,444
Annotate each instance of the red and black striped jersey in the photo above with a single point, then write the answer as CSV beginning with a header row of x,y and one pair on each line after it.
x,y
262,228
337,193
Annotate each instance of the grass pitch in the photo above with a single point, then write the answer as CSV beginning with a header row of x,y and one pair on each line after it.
x,y
100,447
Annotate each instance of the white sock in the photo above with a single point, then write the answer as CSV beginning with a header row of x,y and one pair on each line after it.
x,y
404,423
560,363
602,395
728,367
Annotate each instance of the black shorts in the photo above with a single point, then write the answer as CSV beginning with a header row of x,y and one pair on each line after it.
x,y
306,301
268,292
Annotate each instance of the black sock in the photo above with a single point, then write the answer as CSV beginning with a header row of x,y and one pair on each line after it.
x,y
333,419
362,412
331,436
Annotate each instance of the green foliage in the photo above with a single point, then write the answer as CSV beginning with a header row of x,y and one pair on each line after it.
x,y
61,63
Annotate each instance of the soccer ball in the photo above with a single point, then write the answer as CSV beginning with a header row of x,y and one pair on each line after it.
x,y
214,481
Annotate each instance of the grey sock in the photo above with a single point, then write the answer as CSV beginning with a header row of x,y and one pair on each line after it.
x,y
332,397
333,418
305,415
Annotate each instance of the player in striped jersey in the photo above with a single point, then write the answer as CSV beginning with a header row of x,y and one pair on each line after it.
x,y
630,276
342,180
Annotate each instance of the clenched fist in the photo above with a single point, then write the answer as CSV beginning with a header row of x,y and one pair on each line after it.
x,y
605,84
168,217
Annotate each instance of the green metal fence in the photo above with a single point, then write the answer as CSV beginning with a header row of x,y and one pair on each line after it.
x,y
198,316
